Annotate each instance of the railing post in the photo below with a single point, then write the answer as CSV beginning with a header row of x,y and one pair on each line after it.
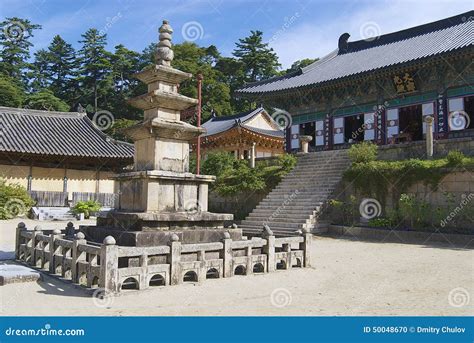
x,y
18,239
77,255
269,248
227,255
306,247
175,260
36,231
109,266
287,248
143,282
53,250
70,230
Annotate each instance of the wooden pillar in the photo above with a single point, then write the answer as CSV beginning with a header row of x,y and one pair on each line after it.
x,y
252,155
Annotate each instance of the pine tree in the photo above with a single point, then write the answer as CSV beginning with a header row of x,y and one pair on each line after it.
x,y
95,65
259,60
61,68
38,74
15,35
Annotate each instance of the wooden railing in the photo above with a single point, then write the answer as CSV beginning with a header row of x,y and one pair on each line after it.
x,y
115,268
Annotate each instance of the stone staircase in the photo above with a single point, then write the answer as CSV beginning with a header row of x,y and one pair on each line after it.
x,y
53,213
295,203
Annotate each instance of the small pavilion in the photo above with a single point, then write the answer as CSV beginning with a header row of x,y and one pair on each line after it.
x,y
247,135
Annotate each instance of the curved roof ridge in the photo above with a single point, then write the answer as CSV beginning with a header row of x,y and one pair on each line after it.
x,y
29,111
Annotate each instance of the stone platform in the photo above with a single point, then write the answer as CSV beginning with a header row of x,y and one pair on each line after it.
x,y
15,273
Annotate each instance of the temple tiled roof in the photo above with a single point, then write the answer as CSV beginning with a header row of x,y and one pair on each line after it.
x,y
218,125
57,134
364,56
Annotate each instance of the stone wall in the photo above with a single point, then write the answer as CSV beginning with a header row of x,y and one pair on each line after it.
x,y
455,193
239,205
418,149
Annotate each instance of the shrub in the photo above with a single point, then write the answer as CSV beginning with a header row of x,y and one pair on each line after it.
x,y
14,200
86,207
217,163
363,152
455,157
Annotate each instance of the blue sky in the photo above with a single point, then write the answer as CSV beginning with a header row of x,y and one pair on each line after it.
x,y
294,28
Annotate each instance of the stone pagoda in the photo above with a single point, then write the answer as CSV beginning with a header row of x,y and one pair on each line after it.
x,y
160,197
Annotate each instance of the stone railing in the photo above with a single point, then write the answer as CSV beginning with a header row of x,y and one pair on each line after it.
x,y
114,268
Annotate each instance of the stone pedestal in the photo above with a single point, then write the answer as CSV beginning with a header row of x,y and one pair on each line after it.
x,y
305,143
160,197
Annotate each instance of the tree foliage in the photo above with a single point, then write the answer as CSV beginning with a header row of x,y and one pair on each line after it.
x,y
97,78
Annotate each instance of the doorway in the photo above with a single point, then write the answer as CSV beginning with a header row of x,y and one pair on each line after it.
x,y
354,129
411,122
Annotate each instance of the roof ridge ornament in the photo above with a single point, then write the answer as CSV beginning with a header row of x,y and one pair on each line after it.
x,y
164,53
343,43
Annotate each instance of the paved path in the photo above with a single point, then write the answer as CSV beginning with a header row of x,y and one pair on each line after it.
x,y
347,278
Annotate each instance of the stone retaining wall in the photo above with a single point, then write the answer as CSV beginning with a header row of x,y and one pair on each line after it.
x,y
404,151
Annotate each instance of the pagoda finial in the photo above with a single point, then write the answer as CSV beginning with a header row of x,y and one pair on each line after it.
x,y
164,53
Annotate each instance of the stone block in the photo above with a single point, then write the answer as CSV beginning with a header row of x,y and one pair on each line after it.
x,y
14,273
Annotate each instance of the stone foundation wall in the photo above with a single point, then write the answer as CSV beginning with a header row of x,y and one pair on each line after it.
x,y
455,192
418,149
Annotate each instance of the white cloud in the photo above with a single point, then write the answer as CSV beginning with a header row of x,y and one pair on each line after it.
x,y
309,40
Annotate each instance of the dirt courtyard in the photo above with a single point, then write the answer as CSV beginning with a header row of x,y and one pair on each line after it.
x,y
348,277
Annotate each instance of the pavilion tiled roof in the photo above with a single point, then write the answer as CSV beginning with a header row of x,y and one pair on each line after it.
x,y
218,125
57,134
366,56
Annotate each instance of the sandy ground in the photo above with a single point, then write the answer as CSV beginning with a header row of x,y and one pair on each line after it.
x,y
348,277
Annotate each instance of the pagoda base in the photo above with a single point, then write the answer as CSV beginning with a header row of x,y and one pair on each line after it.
x,y
153,229
158,238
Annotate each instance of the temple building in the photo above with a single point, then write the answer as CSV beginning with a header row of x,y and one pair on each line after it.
x,y
59,157
381,88
246,135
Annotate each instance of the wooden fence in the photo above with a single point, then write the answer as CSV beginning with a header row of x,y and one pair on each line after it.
x,y
117,268
105,199
49,199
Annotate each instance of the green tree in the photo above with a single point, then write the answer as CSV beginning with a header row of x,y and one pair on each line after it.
x,y
260,61
45,100
297,65
38,74
15,36
194,59
11,95
95,66
61,68
125,63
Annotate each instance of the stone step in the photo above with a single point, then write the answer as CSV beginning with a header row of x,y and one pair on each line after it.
x,y
288,213
272,225
276,224
277,219
309,206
